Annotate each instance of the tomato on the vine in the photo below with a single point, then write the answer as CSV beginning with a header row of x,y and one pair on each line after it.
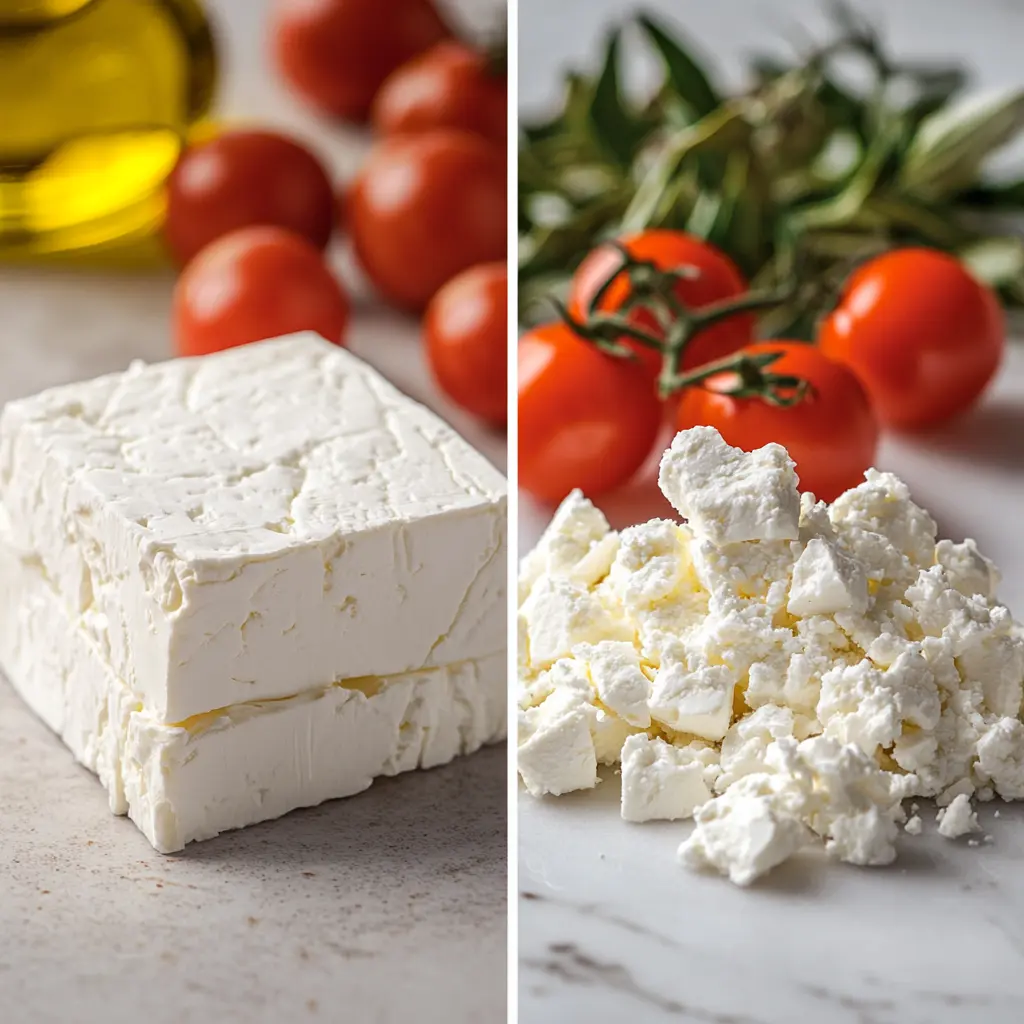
x,y
337,53
449,86
717,280
253,284
831,434
465,328
423,208
586,419
921,333
242,179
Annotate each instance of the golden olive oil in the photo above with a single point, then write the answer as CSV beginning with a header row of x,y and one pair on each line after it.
x,y
96,100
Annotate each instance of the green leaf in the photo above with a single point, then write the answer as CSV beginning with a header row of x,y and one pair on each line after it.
x,y
719,132
998,261
917,221
846,205
561,246
617,132
1008,196
950,145
685,75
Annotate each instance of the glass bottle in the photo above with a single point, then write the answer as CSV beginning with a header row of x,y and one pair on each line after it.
x,y
97,98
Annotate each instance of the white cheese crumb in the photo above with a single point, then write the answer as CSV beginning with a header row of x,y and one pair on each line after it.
x,y
661,781
743,833
969,570
560,614
615,672
957,819
826,581
556,750
914,825
727,494
697,701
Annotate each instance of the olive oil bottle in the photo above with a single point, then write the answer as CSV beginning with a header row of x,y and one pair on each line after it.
x,y
96,100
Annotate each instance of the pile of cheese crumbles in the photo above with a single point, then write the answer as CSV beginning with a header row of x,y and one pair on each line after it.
x,y
783,671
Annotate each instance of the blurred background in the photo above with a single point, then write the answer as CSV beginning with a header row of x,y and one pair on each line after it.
x,y
87,276
908,134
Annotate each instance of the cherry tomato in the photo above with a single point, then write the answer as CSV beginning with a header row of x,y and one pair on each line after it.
x,y
424,207
924,336
832,435
466,327
337,53
586,419
717,281
242,179
449,86
252,284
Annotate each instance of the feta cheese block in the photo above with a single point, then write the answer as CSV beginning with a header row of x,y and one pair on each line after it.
x,y
782,671
238,765
255,524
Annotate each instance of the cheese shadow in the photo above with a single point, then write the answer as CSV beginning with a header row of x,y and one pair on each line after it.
x,y
451,819
992,435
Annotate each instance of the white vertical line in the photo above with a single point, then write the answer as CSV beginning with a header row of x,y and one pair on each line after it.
x,y
513,506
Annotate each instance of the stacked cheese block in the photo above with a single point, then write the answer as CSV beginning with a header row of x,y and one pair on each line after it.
x,y
779,669
247,583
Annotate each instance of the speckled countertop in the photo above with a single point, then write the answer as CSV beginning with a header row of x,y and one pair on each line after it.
x,y
387,907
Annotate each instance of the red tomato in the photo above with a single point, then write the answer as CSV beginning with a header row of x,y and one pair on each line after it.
x,y
718,281
423,208
924,336
449,86
337,53
242,179
831,435
466,327
586,419
252,284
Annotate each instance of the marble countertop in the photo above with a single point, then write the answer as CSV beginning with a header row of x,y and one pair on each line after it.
x,y
610,927
382,908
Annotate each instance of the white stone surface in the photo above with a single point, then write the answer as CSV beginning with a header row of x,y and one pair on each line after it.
x,y
611,928
382,908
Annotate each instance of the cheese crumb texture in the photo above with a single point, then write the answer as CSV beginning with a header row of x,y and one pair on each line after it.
x,y
784,672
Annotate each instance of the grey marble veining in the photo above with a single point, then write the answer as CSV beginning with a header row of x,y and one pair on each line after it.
x,y
611,928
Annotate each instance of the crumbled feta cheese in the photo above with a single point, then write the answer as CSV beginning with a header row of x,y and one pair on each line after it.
x,y
882,505
968,569
914,826
556,751
743,833
560,614
577,543
661,781
727,494
957,819
782,668
746,743
826,581
696,701
615,672
1001,757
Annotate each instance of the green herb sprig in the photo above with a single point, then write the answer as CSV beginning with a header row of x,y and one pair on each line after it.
x,y
801,166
